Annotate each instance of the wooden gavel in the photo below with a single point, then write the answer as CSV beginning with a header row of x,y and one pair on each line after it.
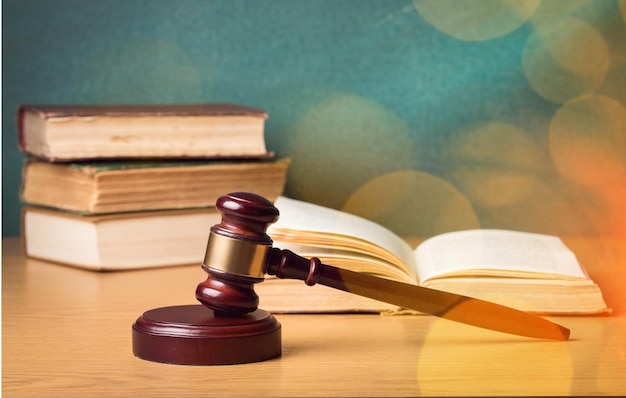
x,y
229,324
239,253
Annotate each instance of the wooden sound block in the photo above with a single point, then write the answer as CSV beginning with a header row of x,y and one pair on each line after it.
x,y
195,335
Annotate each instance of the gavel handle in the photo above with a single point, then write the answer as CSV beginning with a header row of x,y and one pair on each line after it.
x,y
288,265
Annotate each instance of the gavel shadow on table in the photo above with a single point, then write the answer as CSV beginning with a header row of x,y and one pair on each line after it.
x,y
229,328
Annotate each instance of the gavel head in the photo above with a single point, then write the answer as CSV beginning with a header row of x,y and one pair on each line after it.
x,y
237,254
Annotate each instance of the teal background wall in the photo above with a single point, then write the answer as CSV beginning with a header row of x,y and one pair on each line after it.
x,y
425,116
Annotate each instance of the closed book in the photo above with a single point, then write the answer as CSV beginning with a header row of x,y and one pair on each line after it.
x,y
108,187
80,132
117,241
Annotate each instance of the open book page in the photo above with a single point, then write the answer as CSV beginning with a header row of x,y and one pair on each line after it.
x,y
351,259
496,253
316,229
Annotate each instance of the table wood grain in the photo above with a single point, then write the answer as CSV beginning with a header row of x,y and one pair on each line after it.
x,y
67,332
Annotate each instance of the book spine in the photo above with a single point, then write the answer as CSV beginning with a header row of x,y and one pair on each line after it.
x,y
20,128
21,131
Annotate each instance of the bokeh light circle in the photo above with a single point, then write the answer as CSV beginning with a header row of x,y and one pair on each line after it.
x,y
495,164
588,140
565,58
340,143
476,20
413,204
486,354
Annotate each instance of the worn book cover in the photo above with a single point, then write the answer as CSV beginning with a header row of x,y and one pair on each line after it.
x,y
114,186
80,132
117,241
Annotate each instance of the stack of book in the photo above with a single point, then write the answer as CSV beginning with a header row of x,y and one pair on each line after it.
x,y
120,187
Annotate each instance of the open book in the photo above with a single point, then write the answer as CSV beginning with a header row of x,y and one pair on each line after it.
x,y
528,271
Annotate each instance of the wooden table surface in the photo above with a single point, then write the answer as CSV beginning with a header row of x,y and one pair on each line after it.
x,y
67,332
